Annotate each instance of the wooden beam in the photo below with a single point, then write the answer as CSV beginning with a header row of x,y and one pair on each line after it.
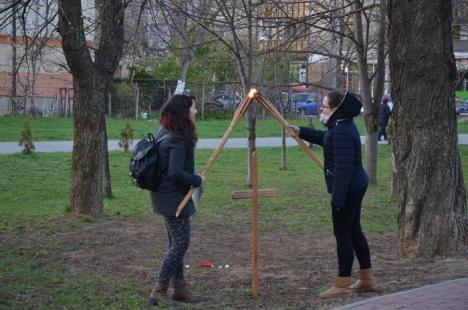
x,y
271,192
255,287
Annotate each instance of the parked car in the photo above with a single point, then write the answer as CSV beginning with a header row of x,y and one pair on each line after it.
x,y
307,103
461,107
229,101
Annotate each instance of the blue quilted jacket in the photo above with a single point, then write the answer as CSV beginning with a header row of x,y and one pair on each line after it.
x,y
341,144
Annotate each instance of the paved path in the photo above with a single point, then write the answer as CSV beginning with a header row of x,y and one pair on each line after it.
x,y
448,295
67,146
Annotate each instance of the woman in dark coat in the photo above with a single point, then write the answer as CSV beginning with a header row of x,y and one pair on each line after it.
x,y
347,183
177,137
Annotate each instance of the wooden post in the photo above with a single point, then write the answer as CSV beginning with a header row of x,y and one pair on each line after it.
x,y
203,101
254,225
65,110
136,101
109,105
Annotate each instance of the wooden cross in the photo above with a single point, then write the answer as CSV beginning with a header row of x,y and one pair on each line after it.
x,y
255,193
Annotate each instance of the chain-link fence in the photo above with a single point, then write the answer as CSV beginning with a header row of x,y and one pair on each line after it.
x,y
36,106
144,98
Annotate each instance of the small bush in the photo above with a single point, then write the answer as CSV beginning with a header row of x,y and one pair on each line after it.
x,y
26,139
126,137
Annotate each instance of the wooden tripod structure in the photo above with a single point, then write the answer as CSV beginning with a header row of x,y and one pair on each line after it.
x,y
255,193
238,115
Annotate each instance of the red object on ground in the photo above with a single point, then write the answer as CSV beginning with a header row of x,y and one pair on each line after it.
x,y
208,263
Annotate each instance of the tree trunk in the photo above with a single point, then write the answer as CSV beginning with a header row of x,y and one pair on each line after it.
x,y
86,195
106,184
379,80
14,67
425,146
371,112
91,82
247,84
250,122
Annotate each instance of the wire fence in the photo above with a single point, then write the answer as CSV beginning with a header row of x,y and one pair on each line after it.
x,y
36,106
144,98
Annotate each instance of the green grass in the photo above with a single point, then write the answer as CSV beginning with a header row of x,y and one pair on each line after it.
x,y
23,278
461,94
37,186
462,126
34,189
49,129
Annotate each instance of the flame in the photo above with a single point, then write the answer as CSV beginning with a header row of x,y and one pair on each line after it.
x,y
252,92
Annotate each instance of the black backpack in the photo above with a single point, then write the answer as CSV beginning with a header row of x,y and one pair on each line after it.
x,y
145,165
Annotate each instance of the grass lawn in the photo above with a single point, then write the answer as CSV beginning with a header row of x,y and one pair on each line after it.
x,y
37,186
34,194
50,129
44,129
303,200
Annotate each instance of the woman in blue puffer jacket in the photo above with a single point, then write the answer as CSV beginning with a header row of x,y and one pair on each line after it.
x,y
347,183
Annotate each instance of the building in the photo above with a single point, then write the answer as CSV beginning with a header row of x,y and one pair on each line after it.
x,y
34,76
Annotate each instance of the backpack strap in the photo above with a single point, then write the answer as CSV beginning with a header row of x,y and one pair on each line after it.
x,y
167,135
158,138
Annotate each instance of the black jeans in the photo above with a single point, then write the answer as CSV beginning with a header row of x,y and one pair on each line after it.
x,y
382,132
349,236
179,234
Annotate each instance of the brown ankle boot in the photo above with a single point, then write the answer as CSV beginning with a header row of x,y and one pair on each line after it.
x,y
339,288
159,295
366,282
183,293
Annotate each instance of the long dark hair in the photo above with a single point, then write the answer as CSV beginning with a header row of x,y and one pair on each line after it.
x,y
175,114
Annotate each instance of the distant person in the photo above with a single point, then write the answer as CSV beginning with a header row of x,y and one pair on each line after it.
x,y
177,163
384,115
347,183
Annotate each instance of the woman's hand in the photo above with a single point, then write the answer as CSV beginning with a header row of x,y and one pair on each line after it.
x,y
294,129
203,178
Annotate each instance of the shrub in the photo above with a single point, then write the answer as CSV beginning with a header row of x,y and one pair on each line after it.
x,y
26,139
126,137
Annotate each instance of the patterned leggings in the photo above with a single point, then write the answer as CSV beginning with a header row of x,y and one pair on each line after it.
x,y
178,233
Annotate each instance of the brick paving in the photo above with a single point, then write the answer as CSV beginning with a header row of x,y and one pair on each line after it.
x,y
448,295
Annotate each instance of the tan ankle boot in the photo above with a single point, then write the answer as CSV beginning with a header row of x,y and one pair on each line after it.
x,y
339,288
183,293
159,295
366,282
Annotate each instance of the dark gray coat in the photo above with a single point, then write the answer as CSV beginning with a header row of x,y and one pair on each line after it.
x,y
177,164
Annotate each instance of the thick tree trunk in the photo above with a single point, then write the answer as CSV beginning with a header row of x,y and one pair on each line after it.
x,y
425,146
86,194
91,82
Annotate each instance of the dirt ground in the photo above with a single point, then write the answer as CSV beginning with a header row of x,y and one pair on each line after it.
x,y
294,267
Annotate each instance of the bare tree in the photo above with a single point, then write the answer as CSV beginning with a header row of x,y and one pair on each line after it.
x,y
371,105
331,32
424,142
232,23
180,28
14,67
91,82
